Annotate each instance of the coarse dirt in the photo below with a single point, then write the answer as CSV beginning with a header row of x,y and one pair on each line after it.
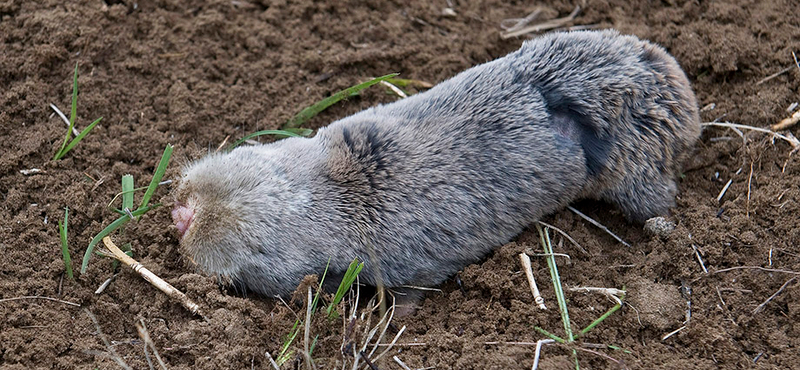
x,y
192,73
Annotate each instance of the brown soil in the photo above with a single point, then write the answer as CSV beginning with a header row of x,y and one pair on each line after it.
x,y
192,73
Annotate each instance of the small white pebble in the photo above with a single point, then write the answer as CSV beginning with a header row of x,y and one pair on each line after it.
x,y
449,12
659,226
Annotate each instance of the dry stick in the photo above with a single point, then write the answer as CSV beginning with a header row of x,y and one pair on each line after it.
x,y
699,259
272,361
724,190
518,23
145,336
152,278
564,234
776,74
757,268
39,297
396,337
222,145
595,223
526,265
792,141
676,331
603,355
103,337
612,293
555,23
761,306
401,363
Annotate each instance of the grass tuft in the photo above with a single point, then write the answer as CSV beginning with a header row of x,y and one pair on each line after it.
x,y
347,282
68,145
127,198
62,232
544,236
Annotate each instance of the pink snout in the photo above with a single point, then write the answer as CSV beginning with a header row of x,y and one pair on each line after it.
x,y
182,216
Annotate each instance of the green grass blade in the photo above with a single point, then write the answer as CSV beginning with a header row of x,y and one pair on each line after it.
x,y
347,281
280,133
162,167
62,231
73,113
549,334
310,112
108,230
599,320
80,136
285,354
127,192
556,278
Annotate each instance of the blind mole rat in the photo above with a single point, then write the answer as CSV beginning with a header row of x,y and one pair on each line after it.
x,y
435,181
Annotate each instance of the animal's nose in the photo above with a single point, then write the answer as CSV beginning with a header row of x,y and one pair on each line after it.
x,y
182,216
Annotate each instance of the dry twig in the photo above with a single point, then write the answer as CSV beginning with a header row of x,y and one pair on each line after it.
x,y
762,305
544,26
39,297
103,337
152,278
526,265
595,223
148,342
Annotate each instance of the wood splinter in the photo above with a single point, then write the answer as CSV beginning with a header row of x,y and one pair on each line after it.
x,y
152,278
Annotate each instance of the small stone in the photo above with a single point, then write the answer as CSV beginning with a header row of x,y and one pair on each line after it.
x,y
659,226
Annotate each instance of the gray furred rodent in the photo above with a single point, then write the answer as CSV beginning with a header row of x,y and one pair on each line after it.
x,y
433,182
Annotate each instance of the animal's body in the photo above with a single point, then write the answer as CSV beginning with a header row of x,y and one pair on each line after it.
x,y
420,188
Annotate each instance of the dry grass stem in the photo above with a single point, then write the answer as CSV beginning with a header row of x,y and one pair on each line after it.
x,y
39,297
111,352
401,363
676,331
105,284
544,26
64,118
538,352
148,342
394,89
307,333
762,305
757,268
776,74
595,223
605,356
564,234
699,258
222,144
514,24
272,361
791,140
152,278
724,190
526,266
612,293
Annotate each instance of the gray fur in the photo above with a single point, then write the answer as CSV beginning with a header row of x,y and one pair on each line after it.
x,y
434,182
